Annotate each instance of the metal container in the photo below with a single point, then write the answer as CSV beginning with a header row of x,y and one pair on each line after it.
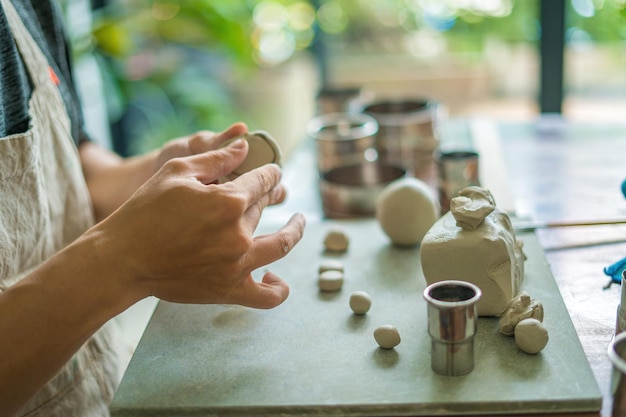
x,y
343,139
617,356
336,100
456,170
351,191
620,322
452,324
407,134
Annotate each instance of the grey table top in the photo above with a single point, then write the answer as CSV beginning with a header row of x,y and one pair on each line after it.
x,y
311,356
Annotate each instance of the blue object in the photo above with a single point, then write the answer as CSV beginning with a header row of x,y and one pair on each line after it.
x,y
616,270
624,188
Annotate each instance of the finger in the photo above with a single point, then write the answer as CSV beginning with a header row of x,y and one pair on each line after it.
x,y
269,293
252,215
257,183
207,167
206,140
268,248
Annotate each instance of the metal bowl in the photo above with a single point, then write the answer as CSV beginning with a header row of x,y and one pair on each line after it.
x,y
351,191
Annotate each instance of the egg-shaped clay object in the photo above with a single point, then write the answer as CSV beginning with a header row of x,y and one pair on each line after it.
x,y
406,209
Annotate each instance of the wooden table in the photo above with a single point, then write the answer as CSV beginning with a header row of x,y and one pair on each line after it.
x,y
544,171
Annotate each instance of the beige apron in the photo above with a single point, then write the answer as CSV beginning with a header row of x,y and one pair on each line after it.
x,y
45,205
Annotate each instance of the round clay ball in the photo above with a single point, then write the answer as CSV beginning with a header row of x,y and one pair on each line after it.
x,y
336,240
530,336
360,302
406,210
387,336
331,280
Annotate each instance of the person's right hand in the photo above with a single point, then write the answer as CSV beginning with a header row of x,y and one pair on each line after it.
x,y
183,238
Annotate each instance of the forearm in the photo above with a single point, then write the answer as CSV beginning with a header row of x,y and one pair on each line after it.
x,y
111,179
45,318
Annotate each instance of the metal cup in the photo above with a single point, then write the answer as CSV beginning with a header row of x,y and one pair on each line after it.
x,y
617,356
407,134
452,324
343,139
457,169
352,190
336,100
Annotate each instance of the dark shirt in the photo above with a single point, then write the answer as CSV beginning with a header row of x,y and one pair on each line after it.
x,y
44,21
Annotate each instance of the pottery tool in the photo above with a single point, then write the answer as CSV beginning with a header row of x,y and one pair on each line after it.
x,y
531,225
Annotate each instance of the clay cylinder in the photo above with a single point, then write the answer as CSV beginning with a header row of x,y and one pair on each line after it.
x,y
452,324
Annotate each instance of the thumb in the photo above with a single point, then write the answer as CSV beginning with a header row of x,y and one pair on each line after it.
x,y
212,165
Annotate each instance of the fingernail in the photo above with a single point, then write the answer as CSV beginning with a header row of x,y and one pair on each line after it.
x,y
237,143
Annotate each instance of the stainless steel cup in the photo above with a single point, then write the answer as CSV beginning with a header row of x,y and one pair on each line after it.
x,y
352,190
457,169
336,100
343,139
407,134
617,356
452,324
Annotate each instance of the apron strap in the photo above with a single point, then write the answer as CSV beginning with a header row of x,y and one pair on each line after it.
x,y
34,60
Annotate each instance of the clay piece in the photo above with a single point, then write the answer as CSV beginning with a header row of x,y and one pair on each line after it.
x,y
405,210
331,280
360,302
336,240
330,265
475,242
262,149
520,308
531,336
387,336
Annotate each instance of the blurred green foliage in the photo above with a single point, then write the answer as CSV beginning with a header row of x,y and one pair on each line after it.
x,y
167,60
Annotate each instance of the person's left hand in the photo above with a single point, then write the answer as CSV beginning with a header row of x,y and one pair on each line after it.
x,y
112,179
196,143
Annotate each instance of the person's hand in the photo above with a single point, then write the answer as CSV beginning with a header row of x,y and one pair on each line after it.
x,y
197,143
183,238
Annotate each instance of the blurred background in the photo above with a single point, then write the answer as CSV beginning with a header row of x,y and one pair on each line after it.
x,y
151,70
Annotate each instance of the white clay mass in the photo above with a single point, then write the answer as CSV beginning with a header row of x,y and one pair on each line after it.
x,y
405,210
530,336
360,302
387,336
475,242
336,240
331,280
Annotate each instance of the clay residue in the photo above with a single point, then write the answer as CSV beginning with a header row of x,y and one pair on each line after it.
x,y
520,308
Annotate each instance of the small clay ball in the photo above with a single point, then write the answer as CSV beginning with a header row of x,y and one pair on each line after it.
x,y
336,241
530,336
360,302
406,210
387,336
330,280
330,265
